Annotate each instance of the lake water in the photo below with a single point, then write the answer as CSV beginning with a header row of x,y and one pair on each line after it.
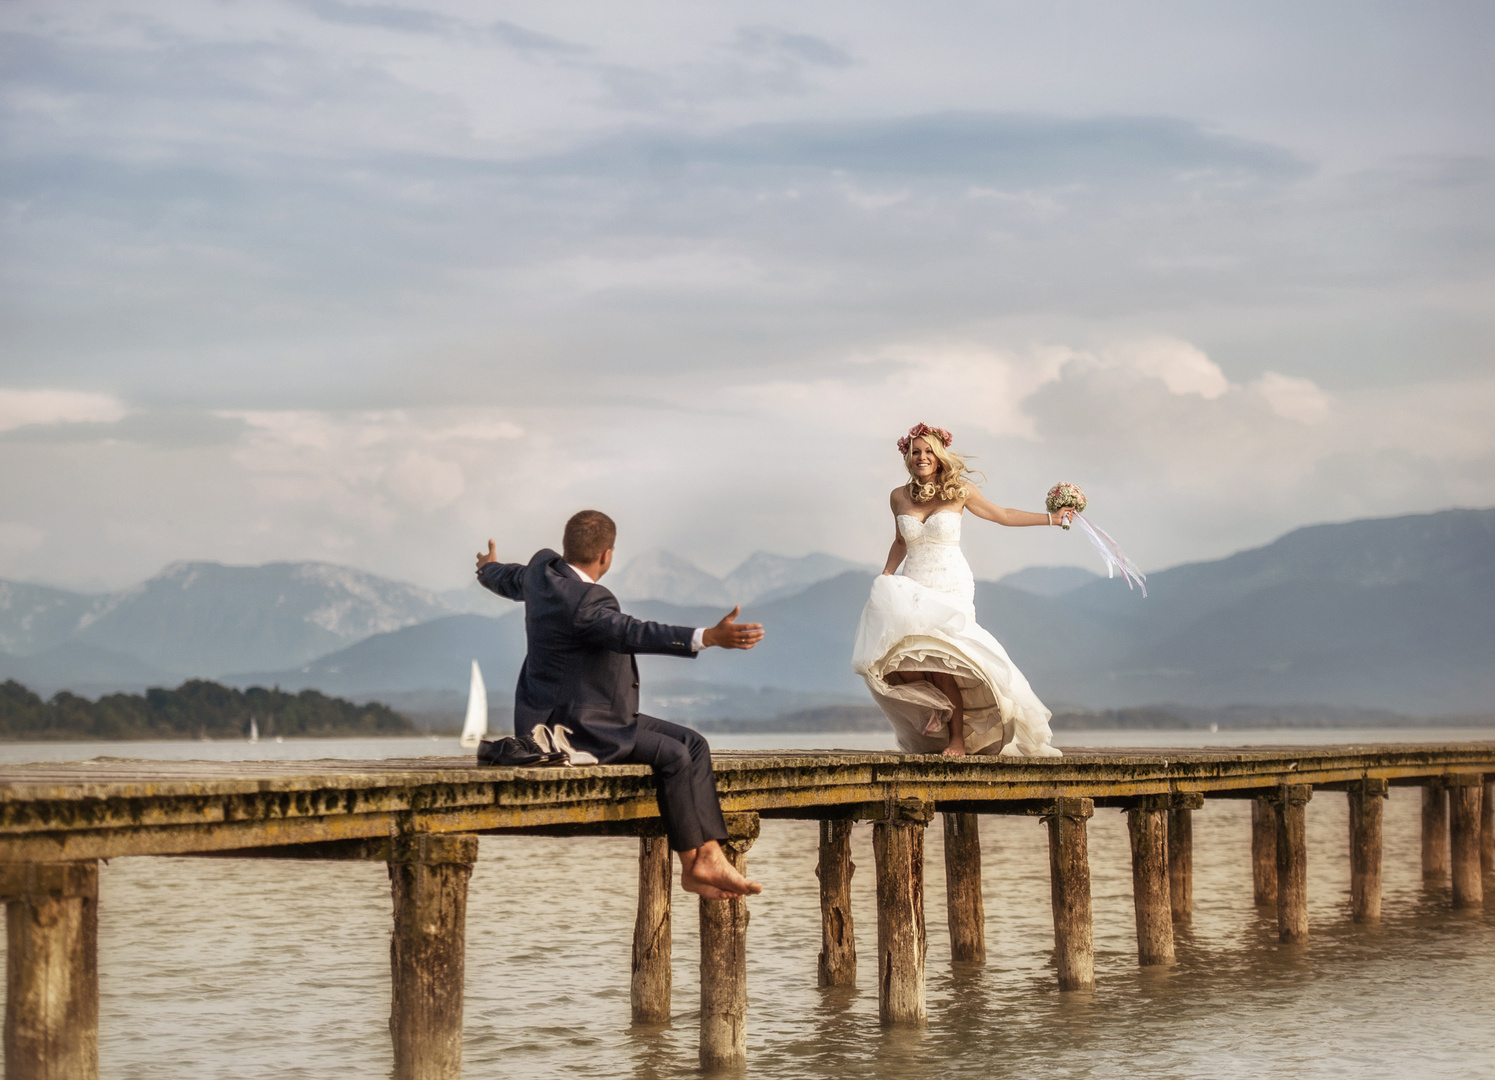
x,y
214,968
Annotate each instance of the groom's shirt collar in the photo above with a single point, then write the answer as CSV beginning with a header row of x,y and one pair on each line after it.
x,y
582,574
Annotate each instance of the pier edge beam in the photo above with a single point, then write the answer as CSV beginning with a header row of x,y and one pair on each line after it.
x,y
1487,829
428,875
965,912
1292,861
898,843
724,926
1367,799
52,970
837,963
1435,830
1264,852
650,984
1181,853
1069,890
1147,826
1464,798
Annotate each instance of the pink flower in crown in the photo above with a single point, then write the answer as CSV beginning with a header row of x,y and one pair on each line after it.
x,y
924,429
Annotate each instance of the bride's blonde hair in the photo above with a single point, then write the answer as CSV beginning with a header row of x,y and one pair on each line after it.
x,y
954,479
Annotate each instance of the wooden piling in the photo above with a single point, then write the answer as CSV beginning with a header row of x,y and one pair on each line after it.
x,y
1069,890
1464,797
1367,798
649,990
837,964
1292,861
724,926
964,910
1487,830
428,877
52,970
1181,853
898,843
1147,823
1264,852
1435,831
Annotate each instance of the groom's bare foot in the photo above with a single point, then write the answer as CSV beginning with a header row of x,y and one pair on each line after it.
x,y
707,873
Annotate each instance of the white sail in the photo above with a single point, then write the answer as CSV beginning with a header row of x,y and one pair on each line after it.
x,y
254,731
475,727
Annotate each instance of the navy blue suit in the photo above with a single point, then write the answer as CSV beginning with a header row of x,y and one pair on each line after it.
x,y
580,672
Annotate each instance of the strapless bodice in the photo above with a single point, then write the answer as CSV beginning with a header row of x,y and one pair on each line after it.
x,y
942,527
934,558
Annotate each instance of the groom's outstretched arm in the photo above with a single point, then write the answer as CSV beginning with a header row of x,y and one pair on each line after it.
x,y
600,623
502,578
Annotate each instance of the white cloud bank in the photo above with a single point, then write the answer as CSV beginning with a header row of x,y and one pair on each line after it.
x,y
1179,461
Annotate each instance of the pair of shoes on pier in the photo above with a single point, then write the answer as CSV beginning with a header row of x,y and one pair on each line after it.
x,y
543,746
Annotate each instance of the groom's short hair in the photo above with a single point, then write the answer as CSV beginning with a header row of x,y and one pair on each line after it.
x,y
588,535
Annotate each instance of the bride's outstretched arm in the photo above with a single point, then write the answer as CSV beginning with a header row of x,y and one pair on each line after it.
x,y
983,507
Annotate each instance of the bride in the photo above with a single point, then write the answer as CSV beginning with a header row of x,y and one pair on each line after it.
x,y
946,684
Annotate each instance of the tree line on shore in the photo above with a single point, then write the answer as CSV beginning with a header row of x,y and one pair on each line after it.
x,y
196,709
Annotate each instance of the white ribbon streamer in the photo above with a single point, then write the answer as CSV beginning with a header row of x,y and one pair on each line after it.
x,y
1111,552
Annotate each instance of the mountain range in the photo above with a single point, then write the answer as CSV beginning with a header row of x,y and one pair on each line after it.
x,y
1392,613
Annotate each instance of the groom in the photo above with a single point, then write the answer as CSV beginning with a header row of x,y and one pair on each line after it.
x,y
580,674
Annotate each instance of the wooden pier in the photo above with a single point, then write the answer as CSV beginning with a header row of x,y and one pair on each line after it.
x,y
423,818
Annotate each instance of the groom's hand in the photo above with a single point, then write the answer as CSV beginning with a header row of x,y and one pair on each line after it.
x,y
733,635
492,556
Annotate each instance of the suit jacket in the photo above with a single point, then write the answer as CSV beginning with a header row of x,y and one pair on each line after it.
x,y
580,669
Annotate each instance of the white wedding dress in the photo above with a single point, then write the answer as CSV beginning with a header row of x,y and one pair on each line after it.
x,y
924,619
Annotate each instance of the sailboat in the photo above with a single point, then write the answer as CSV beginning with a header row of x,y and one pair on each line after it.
x,y
254,731
475,727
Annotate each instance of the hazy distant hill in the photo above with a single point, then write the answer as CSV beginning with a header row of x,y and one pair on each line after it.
x,y
200,619
661,575
1394,613
1049,580
35,617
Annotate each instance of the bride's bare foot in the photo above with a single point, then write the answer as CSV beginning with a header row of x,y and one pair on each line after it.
x,y
706,872
957,747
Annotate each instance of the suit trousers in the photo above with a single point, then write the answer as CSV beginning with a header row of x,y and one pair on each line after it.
x,y
684,784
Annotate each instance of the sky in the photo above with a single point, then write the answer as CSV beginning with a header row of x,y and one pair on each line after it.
x,y
373,282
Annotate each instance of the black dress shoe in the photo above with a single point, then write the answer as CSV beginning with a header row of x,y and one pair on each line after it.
x,y
516,753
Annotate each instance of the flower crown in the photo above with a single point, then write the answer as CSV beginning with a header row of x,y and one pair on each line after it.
x,y
924,429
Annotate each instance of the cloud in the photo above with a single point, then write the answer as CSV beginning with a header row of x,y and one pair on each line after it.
x,y
805,48
384,16
1293,398
988,148
22,408
1181,367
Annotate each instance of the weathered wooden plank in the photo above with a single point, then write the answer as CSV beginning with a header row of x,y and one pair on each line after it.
x,y
428,881
1465,793
837,963
724,926
1292,861
649,987
1147,826
52,973
103,809
898,845
1264,852
1069,891
1366,801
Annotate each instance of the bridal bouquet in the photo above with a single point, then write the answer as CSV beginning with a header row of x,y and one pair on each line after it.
x,y
1063,496
1069,497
